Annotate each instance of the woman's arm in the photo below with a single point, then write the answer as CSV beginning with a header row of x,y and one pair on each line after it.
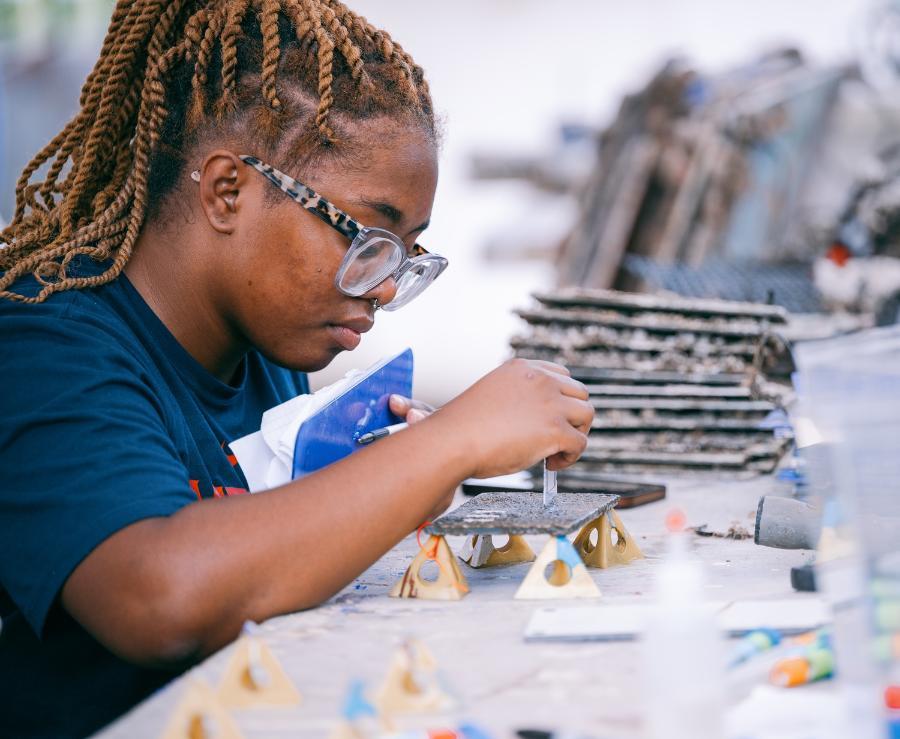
x,y
168,590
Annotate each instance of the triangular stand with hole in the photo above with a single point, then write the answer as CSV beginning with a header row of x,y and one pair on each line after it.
x,y
255,678
450,584
605,553
412,683
200,715
569,578
479,551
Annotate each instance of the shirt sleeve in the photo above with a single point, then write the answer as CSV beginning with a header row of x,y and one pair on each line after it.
x,y
84,452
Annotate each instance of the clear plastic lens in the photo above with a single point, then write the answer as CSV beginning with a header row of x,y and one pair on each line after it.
x,y
374,256
378,258
412,282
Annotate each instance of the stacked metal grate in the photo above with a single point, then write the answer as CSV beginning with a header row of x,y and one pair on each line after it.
x,y
678,384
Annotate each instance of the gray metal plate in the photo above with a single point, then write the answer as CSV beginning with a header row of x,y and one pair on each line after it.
x,y
523,513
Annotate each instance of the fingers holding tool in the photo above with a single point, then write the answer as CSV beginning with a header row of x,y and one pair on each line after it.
x,y
412,411
520,413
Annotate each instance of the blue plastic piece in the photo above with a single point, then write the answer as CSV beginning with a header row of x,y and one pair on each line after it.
x,y
356,704
893,726
331,434
565,552
470,731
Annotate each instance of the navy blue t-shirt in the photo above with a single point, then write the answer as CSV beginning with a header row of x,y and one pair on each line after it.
x,y
105,419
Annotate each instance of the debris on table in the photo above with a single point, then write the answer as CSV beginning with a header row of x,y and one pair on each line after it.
x,y
735,531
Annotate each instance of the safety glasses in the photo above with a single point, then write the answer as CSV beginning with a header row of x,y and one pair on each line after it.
x,y
374,254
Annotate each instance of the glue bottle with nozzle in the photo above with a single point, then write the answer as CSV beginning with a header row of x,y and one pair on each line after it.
x,y
684,656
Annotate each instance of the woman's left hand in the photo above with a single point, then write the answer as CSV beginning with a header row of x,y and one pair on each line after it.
x,y
411,411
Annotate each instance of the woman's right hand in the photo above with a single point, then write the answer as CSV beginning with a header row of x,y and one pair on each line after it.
x,y
522,412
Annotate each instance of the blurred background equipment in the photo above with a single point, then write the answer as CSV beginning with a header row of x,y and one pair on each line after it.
x,y
695,167
757,184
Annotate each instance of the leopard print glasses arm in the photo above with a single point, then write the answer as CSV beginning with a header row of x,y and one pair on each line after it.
x,y
313,202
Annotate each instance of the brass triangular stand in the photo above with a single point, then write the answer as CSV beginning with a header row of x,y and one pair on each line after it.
x,y
412,684
569,578
200,715
604,553
450,583
254,677
479,551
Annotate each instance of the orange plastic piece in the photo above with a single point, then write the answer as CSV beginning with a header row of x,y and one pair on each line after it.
x,y
790,672
892,696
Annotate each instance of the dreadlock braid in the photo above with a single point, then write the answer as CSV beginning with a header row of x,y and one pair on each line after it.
x,y
231,31
171,75
203,42
63,143
367,30
350,50
271,50
326,79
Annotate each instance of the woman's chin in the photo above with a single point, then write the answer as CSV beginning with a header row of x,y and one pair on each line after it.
x,y
305,361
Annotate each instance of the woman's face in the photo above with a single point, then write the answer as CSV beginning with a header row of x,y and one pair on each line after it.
x,y
279,284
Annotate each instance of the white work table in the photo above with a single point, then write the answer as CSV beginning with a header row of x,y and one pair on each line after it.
x,y
502,682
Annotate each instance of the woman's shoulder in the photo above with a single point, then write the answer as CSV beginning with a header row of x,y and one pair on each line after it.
x,y
80,327
80,312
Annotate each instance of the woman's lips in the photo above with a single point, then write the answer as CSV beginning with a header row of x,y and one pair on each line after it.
x,y
345,337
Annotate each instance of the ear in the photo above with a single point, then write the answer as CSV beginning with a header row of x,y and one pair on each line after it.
x,y
221,179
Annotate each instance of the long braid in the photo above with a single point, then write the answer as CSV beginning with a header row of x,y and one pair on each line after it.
x,y
326,79
118,78
201,41
351,52
67,138
304,27
175,66
271,51
234,16
325,61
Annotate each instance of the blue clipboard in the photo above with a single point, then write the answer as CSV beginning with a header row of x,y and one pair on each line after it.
x,y
331,433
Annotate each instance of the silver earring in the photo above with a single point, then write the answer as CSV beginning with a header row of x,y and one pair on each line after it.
x,y
195,175
375,304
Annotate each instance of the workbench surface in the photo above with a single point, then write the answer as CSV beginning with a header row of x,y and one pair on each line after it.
x,y
502,682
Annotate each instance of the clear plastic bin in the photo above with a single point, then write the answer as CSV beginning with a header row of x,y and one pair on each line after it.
x,y
849,395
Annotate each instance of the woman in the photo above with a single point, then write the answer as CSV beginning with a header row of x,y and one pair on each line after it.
x,y
166,278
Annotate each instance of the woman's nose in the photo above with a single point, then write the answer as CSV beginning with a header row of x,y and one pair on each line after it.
x,y
383,292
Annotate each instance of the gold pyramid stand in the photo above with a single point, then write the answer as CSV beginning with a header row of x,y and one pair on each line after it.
x,y
606,553
200,715
479,551
412,683
254,677
450,583
568,578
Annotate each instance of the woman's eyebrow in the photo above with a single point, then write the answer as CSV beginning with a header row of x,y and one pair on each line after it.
x,y
391,212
